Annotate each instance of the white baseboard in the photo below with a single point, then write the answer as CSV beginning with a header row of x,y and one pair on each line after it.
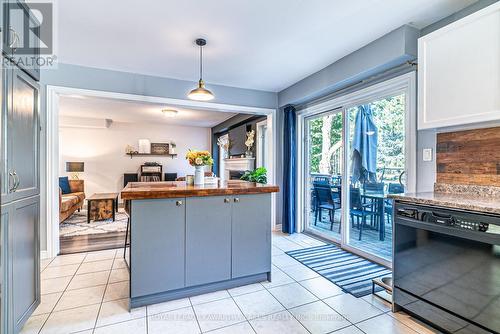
x,y
44,255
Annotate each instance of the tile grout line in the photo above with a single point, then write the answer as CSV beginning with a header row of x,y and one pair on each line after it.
x,y
52,311
103,295
195,315
244,316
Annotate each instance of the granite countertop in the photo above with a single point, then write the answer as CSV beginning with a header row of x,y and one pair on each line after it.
x,y
175,189
479,199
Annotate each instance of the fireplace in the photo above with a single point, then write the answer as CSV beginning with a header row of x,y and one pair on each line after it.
x,y
236,174
234,168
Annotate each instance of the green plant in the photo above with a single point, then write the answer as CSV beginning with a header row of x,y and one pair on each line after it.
x,y
259,175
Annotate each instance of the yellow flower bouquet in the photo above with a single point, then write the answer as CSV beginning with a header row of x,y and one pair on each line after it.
x,y
199,158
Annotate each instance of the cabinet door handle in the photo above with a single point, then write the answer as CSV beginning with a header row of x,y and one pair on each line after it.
x,y
227,200
17,181
236,200
11,177
13,41
178,203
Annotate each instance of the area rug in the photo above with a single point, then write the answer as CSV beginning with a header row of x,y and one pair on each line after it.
x,y
352,273
76,225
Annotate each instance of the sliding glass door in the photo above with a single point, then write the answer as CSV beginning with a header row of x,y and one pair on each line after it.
x,y
324,169
353,158
376,165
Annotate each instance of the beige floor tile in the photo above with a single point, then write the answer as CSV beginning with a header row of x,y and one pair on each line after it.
x,y
283,261
209,297
181,321
217,314
413,323
319,318
119,263
241,290
378,302
300,272
258,304
44,263
59,271
352,308
321,287
292,295
47,303
80,297
118,311
282,322
34,324
116,291
119,275
277,278
349,330
241,328
276,251
137,326
89,280
53,285
100,255
168,306
63,260
384,324
90,267
73,320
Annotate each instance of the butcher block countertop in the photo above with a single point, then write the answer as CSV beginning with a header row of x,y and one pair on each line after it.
x,y
175,189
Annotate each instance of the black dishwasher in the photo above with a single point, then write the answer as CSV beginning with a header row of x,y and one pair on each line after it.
x,y
447,267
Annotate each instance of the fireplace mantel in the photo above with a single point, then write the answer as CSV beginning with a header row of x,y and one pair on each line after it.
x,y
238,164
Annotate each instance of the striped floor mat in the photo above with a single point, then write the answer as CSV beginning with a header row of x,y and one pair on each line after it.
x,y
352,273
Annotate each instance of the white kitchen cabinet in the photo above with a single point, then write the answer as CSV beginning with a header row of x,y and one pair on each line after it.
x,y
459,71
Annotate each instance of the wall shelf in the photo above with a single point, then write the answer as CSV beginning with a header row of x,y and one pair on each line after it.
x,y
151,154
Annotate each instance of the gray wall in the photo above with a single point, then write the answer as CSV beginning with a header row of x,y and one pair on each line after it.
x,y
129,83
387,52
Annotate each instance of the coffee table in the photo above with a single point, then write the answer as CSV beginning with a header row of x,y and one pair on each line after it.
x,y
102,206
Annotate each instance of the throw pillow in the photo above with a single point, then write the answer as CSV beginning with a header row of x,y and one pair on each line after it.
x,y
64,185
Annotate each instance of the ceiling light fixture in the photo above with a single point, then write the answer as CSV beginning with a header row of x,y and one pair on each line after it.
x,y
170,112
201,93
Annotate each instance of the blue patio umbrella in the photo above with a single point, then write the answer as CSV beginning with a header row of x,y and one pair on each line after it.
x,y
364,145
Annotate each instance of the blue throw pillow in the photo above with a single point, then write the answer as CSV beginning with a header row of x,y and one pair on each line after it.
x,y
64,185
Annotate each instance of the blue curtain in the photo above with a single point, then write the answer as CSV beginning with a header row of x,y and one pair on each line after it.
x,y
288,224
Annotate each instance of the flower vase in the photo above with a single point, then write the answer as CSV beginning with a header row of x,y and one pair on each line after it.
x,y
199,175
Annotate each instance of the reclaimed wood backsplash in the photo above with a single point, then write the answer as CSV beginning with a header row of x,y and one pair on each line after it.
x,y
469,157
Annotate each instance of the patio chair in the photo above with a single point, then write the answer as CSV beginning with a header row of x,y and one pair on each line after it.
x,y
325,201
374,187
359,210
393,188
324,180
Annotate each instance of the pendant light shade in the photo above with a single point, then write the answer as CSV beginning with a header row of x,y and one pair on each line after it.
x,y
201,93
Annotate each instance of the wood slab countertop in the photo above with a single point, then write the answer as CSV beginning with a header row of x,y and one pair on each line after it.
x,y
175,189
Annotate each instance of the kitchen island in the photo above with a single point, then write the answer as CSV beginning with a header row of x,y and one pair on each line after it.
x,y
190,240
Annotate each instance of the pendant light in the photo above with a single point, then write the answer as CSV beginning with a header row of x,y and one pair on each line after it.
x,y
201,93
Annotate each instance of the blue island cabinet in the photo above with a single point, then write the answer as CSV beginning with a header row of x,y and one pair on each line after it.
x,y
157,246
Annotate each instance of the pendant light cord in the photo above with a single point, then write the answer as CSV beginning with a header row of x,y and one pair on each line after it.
x,y
201,62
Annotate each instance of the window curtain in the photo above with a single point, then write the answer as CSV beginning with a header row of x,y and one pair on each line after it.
x,y
288,224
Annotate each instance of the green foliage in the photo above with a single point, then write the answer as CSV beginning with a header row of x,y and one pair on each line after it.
x,y
259,175
389,116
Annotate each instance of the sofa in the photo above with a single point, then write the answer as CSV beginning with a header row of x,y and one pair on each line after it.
x,y
69,203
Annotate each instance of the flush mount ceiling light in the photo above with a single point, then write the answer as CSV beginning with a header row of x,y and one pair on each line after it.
x,y
201,93
169,112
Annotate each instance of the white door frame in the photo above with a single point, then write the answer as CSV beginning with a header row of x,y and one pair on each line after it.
x,y
404,83
52,145
259,156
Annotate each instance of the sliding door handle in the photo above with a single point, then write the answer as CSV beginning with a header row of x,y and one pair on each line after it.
x,y
11,178
17,181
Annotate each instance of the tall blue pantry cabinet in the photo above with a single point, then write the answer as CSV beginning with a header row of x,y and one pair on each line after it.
x,y
20,173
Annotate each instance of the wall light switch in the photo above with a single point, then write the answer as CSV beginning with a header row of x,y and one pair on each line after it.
x,y
427,154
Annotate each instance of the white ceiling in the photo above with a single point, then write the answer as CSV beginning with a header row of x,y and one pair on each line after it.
x,y
136,112
259,44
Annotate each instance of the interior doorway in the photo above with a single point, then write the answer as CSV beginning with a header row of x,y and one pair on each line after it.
x,y
50,225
